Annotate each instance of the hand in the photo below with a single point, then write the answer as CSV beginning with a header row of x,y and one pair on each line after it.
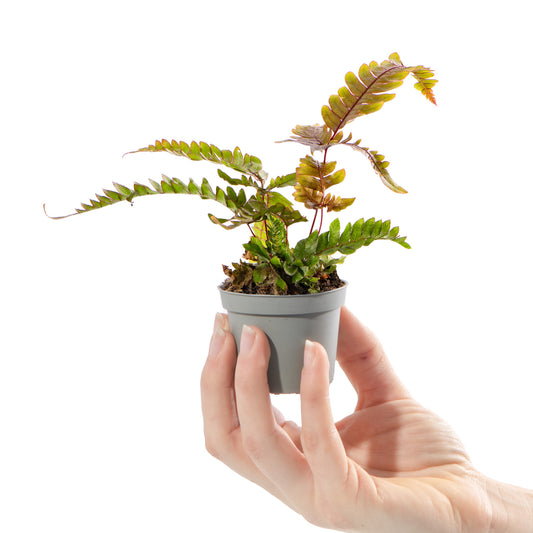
x,y
390,466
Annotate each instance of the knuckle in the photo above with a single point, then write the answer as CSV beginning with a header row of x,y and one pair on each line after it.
x,y
252,446
208,375
310,441
212,450
212,447
204,378
249,375
314,441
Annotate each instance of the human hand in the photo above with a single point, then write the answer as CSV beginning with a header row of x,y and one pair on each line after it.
x,y
391,465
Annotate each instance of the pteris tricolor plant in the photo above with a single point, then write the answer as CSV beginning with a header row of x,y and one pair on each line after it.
x,y
270,265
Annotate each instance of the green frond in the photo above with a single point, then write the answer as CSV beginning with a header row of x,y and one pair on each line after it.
x,y
243,180
282,181
244,210
236,160
354,236
368,91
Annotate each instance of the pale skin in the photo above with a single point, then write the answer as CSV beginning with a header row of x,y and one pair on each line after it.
x,y
390,466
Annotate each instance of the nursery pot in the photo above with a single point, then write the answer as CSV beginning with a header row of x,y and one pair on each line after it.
x,y
288,321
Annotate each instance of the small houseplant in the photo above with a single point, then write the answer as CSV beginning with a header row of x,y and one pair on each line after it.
x,y
274,280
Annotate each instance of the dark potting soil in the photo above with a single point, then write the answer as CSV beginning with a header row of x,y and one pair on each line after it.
x,y
327,282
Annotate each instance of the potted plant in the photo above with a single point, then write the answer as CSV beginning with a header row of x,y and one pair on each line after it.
x,y
292,293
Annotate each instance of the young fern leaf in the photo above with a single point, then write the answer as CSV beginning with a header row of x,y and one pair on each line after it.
x,y
367,92
247,164
313,178
424,78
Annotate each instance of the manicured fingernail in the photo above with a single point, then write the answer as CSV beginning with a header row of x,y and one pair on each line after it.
x,y
221,320
247,339
309,353
217,340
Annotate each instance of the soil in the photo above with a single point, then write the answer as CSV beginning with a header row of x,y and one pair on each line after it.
x,y
327,282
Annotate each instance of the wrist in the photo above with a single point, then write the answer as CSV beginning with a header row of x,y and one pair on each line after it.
x,y
511,507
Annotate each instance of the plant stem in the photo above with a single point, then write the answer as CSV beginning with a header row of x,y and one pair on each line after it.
x,y
251,230
313,224
321,219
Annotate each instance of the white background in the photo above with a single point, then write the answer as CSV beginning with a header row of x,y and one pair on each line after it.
x,y
106,317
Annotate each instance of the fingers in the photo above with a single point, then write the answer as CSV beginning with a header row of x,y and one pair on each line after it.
x,y
218,398
265,442
364,362
321,442
223,437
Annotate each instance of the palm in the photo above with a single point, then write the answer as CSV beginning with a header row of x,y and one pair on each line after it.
x,y
399,438
406,454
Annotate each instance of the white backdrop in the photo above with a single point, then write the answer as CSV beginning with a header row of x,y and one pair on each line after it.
x,y
106,317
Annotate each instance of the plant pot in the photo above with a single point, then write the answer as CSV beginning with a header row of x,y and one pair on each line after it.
x,y
288,321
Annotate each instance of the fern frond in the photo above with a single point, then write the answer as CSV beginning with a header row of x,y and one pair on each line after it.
x,y
243,180
317,137
423,76
247,164
245,210
313,136
354,236
313,178
367,92
379,165
282,181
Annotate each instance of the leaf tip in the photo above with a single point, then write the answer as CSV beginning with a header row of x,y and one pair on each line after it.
x,y
56,218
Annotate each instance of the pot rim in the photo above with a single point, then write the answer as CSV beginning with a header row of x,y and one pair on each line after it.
x,y
283,304
267,296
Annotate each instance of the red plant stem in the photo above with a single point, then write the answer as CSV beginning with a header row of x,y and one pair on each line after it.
x,y
321,219
323,192
313,224
325,154
251,230
265,221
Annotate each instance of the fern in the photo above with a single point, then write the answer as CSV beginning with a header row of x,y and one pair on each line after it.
x,y
271,265
366,93
354,236
245,210
379,165
313,178
248,164
316,137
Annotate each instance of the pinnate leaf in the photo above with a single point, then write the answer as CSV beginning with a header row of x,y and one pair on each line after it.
x,y
366,92
248,164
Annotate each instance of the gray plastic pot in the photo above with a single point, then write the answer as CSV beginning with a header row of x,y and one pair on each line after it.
x,y
287,322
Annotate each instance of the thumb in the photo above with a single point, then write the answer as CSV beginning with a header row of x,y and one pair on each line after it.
x,y
364,362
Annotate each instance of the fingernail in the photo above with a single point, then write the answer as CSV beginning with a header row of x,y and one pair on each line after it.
x,y
217,340
309,353
221,320
247,339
